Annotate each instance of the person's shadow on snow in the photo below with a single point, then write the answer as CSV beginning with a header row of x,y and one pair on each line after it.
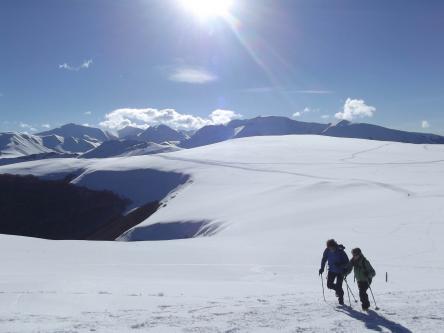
x,y
374,321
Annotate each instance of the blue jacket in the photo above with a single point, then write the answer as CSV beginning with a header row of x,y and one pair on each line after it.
x,y
337,260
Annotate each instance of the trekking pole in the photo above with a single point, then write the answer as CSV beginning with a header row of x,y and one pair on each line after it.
x,y
323,292
371,291
348,288
348,293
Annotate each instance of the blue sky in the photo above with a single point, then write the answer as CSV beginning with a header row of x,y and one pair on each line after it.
x,y
152,60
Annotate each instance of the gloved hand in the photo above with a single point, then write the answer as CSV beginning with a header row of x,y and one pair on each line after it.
x,y
321,271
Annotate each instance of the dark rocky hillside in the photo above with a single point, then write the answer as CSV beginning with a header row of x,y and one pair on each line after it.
x,y
52,209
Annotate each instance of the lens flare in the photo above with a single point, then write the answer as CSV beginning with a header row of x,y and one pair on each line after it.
x,y
208,8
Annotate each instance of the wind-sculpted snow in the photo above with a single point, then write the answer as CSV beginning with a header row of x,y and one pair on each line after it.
x,y
274,200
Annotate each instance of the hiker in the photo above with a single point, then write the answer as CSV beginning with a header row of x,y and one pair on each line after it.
x,y
364,273
337,260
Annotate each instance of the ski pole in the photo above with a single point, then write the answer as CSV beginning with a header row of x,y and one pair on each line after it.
x,y
323,292
371,291
348,288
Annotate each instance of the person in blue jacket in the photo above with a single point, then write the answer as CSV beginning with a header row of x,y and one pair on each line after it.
x,y
337,260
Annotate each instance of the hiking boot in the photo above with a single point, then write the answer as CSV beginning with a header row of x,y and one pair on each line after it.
x,y
365,307
341,300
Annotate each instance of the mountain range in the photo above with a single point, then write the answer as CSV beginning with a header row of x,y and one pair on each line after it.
x,y
90,142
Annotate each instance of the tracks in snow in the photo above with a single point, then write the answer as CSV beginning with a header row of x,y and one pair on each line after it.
x,y
291,312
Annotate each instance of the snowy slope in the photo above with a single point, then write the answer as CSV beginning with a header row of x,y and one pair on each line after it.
x,y
115,148
347,129
273,202
69,138
160,133
129,132
14,145
208,135
80,132
273,125
73,138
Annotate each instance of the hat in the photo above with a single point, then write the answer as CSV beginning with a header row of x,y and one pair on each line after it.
x,y
356,251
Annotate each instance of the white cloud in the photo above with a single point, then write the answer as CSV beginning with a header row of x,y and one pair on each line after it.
x,y
355,108
193,75
46,126
306,110
425,124
219,117
27,127
85,65
87,113
325,116
143,118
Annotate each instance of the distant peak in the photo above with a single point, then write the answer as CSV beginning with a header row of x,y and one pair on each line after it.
x,y
161,126
343,122
70,125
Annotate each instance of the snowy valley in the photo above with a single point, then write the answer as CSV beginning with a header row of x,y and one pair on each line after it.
x,y
235,246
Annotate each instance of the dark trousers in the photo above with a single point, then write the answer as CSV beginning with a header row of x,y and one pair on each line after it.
x,y
363,287
331,277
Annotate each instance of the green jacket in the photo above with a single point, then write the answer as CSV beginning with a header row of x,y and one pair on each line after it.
x,y
362,268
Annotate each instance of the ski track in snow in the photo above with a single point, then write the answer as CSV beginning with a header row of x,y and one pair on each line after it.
x,y
381,198
420,311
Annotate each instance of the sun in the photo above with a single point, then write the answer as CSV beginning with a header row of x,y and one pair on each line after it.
x,y
208,8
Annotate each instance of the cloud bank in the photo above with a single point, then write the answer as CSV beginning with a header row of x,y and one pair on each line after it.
x,y
192,75
144,118
27,127
306,110
425,124
355,108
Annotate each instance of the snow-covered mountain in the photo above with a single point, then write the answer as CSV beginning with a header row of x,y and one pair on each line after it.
x,y
208,135
161,133
120,148
20,144
273,125
73,138
347,129
79,132
67,139
129,132
263,126
256,213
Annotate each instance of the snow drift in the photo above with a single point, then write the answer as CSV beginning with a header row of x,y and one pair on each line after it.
x,y
272,202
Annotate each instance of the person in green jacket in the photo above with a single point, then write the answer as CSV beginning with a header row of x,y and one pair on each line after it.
x,y
364,273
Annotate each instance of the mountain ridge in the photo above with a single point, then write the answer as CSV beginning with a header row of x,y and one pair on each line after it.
x,y
72,138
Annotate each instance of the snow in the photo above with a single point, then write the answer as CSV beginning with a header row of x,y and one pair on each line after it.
x,y
274,201
160,133
347,129
79,131
273,125
59,140
129,132
13,145
118,148
72,138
